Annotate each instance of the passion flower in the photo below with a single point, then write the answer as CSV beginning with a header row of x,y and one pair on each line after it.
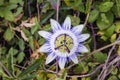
x,y
63,42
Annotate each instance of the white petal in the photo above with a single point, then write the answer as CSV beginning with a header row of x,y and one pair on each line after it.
x,y
50,58
55,25
78,29
62,62
67,23
45,48
83,37
45,34
74,58
82,48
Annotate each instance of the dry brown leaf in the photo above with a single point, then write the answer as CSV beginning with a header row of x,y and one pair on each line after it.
x,y
1,30
17,29
28,25
35,54
30,22
23,35
18,17
36,44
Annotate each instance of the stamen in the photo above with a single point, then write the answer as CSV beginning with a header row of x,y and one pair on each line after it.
x,y
63,43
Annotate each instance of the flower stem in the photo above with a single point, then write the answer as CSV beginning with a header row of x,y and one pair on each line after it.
x,y
57,11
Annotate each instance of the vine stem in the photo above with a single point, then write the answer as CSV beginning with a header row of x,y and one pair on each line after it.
x,y
94,36
5,69
86,19
57,10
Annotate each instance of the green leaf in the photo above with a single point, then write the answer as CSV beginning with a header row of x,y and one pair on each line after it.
x,y
75,20
41,41
45,8
119,75
26,31
36,27
47,27
10,61
29,77
15,51
86,78
8,15
113,37
32,67
21,44
8,35
115,71
103,37
117,27
1,2
13,1
105,6
40,1
93,15
118,7
75,5
88,4
11,6
110,31
64,74
45,18
105,20
19,10
112,78
96,4
100,57
20,57
81,68
3,50
31,42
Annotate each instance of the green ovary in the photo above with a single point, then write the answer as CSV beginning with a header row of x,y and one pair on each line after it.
x,y
64,43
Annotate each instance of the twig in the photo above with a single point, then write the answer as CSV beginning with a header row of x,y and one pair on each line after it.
x,y
90,74
108,66
19,66
57,11
94,36
104,71
85,23
118,63
38,11
99,67
86,19
86,75
5,69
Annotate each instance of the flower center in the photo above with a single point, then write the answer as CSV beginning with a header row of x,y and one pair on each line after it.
x,y
64,43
